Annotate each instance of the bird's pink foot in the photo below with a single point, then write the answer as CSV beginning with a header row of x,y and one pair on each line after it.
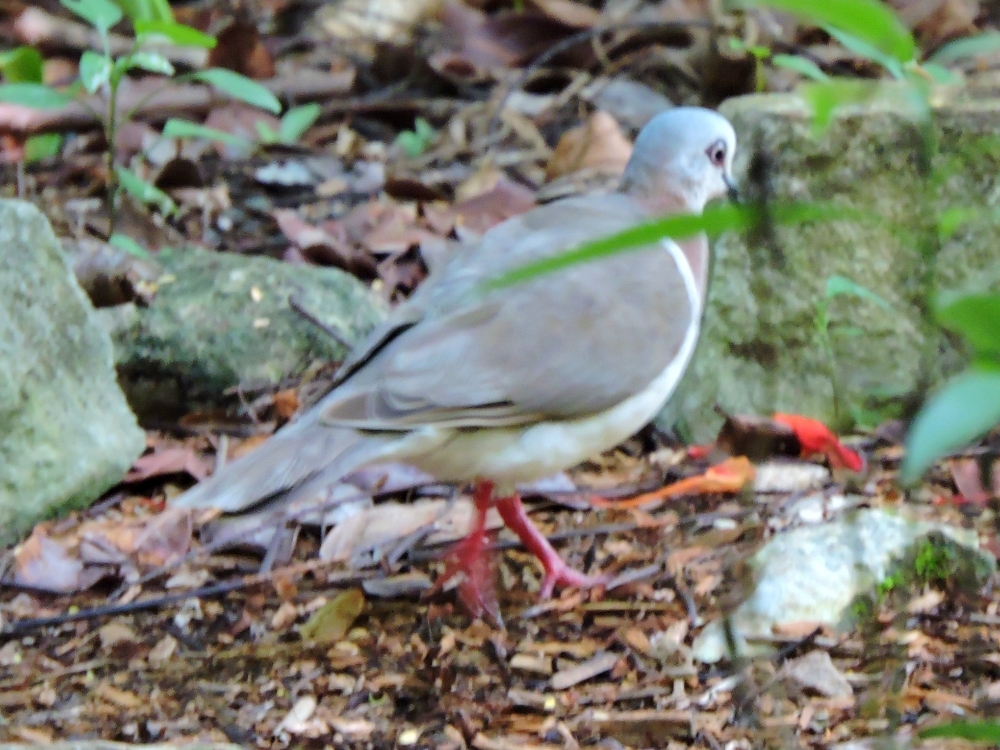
x,y
471,557
557,572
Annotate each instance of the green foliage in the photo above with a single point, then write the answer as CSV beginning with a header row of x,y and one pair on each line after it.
x,y
239,87
174,128
130,246
934,563
21,65
294,123
868,20
974,731
185,36
839,286
714,221
146,10
415,142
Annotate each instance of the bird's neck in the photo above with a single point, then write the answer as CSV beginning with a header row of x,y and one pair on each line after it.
x,y
696,252
695,249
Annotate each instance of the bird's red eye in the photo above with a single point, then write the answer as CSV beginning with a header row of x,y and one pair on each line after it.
x,y
717,153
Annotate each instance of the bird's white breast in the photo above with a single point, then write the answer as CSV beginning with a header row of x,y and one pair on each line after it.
x,y
522,454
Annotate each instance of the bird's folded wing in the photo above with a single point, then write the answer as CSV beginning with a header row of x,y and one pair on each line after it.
x,y
561,346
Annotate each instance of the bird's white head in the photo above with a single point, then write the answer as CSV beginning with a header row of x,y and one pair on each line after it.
x,y
682,159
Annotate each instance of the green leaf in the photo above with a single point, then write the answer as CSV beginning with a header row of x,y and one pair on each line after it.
x,y
825,98
146,10
130,246
714,221
869,20
101,14
239,87
975,731
177,33
184,129
297,121
941,74
95,70
963,410
952,218
143,191
838,286
801,65
970,46
22,65
977,318
43,146
863,48
34,95
267,133
152,62
415,142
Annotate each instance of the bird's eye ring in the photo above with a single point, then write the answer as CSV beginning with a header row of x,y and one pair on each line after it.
x,y
717,153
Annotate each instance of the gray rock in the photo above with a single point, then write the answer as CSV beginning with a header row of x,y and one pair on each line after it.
x,y
759,351
815,671
815,573
66,433
219,320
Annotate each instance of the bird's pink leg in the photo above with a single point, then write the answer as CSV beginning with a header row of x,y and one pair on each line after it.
x,y
471,557
557,572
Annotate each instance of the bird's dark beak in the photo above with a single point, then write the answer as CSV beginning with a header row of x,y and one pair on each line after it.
x,y
733,190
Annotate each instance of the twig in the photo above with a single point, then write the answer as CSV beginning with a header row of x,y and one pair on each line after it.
x,y
21,627
574,39
296,304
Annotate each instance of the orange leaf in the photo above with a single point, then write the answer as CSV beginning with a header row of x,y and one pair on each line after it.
x,y
729,476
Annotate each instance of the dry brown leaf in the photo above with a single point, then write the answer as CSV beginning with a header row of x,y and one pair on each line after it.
x,y
599,145
239,48
176,460
43,563
576,15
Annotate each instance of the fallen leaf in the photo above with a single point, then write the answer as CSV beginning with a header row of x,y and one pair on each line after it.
x,y
239,48
332,621
598,145
732,475
43,563
167,461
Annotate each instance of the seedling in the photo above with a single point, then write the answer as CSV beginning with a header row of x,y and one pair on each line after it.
x,y
101,74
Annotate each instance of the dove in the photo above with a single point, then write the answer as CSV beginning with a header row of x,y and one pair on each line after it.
x,y
499,385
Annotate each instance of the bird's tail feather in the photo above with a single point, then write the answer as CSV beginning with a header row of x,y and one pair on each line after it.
x,y
298,453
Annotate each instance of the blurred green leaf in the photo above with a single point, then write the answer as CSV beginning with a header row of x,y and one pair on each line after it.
x,y
177,33
869,20
146,10
714,221
239,87
863,48
184,129
33,95
965,408
801,65
941,74
974,731
101,14
130,246
952,218
296,121
839,286
970,46
977,318
143,191
21,65
42,146
152,62
415,142
95,70
825,98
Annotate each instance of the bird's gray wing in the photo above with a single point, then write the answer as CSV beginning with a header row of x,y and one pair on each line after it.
x,y
564,345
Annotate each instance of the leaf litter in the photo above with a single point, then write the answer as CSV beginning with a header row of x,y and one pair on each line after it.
x,y
314,635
